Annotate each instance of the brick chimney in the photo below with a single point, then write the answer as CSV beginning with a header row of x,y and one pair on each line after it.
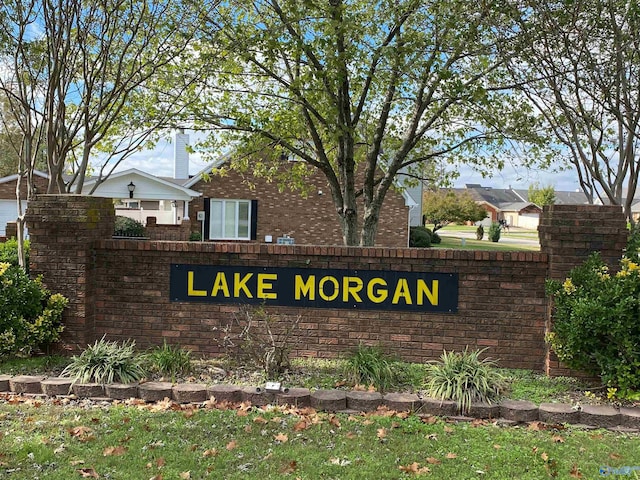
x,y
181,155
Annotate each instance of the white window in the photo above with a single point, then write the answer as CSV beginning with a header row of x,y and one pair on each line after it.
x,y
230,219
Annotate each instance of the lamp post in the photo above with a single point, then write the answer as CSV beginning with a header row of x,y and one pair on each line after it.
x,y
131,188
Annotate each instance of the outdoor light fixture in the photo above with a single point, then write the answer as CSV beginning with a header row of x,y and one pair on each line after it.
x,y
131,188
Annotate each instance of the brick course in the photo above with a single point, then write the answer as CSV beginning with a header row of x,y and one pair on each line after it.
x,y
120,287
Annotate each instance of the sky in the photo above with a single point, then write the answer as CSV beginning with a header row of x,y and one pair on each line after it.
x,y
159,162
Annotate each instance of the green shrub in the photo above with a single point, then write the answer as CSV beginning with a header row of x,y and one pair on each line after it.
x,y
435,239
30,317
9,252
494,232
195,237
128,227
595,321
106,362
168,361
369,365
464,378
419,237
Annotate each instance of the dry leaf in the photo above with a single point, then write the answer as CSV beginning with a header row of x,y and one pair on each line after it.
x,y
333,420
414,468
382,432
247,428
88,473
231,445
350,435
212,452
497,447
433,461
451,455
185,475
282,438
301,425
448,429
544,456
429,420
615,456
557,439
575,472
289,468
161,462
113,451
260,420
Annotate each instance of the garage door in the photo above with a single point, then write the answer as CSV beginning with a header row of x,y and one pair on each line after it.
x,y
8,213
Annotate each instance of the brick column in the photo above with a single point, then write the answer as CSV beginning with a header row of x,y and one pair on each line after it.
x,y
568,235
62,229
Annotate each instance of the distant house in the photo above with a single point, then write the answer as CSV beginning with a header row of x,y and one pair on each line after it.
x,y
234,209
513,205
8,200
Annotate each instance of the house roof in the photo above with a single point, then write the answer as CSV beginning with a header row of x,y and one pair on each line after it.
x,y
11,178
147,187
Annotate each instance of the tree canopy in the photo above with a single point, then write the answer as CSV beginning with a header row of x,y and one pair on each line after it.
x,y
442,207
542,196
359,90
578,62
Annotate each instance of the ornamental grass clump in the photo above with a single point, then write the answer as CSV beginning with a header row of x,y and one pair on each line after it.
x,y
464,378
169,361
369,365
595,320
106,362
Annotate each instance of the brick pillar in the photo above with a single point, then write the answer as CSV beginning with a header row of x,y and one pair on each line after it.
x,y
568,235
62,229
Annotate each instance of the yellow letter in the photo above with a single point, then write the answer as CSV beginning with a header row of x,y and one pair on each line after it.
x,y
263,286
402,290
241,284
336,288
305,289
351,286
432,294
190,291
220,284
378,295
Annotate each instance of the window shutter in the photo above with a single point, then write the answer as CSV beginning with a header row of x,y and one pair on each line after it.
x,y
207,218
254,219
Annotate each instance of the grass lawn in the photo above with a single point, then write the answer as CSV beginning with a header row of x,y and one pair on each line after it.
x,y
66,439
166,441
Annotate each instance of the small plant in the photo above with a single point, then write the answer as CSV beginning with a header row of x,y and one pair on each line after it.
x,y
128,227
106,362
464,378
30,316
195,237
479,232
257,337
369,365
595,320
9,251
494,232
419,237
169,361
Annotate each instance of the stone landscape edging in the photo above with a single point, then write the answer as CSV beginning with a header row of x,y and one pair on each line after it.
x,y
508,412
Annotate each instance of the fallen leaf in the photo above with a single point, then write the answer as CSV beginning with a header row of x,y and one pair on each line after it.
x,y
534,426
414,468
282,438
231,445
88,473
575,472
333,420
212,452
289,468
382,432
429,419
615,456
73,463
247,428
350,435
185,475
301,425
260,420
544,456
451,455
557,439
497,447
113,451
448,429
161,462
433,461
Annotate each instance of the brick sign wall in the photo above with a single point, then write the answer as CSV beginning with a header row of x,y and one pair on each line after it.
x,y
123,288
